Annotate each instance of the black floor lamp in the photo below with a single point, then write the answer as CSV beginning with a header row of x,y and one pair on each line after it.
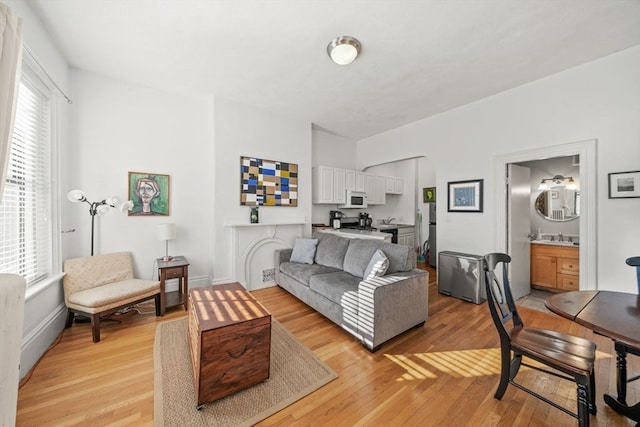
x,y
96,208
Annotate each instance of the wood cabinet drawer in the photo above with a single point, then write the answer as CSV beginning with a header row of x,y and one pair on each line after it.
x,y
568,282
173,273
568,265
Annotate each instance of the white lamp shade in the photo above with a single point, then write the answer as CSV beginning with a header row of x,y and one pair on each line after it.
x,y
103,210
166,231
126,206
76,196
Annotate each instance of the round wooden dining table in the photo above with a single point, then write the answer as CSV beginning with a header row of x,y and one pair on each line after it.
x,y
615,315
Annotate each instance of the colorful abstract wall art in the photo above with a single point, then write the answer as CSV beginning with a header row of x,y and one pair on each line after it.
x,y
268,182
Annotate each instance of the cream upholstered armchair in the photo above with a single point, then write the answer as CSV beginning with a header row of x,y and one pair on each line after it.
x,y
103,284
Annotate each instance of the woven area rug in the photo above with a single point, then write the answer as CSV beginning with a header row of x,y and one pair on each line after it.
x,y
295,372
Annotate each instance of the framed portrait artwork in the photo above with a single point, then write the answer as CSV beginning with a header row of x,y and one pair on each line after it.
x,y
465,196
429,195
149,193
624,185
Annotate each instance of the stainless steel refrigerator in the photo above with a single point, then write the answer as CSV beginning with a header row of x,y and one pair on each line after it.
x,y
433,253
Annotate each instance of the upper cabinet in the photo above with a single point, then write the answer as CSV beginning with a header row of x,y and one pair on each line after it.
x,y
394,185
330,185
339,185
322,189
374,186
355,180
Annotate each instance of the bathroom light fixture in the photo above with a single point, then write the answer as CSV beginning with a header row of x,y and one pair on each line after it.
x,y
166,232
344,50
558,180
95,208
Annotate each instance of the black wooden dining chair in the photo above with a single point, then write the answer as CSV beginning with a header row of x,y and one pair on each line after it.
x,y
571,357
634,261
620,347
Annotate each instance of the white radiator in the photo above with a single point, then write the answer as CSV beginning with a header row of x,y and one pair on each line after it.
x,y
12,288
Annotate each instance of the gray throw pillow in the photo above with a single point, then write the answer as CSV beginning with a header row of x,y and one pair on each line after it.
x,y
377,266
304,250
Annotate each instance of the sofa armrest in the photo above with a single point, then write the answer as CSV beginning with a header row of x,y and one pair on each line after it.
x,y
390,305
280,256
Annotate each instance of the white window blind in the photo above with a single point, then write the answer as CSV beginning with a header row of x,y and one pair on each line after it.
x,y
25,211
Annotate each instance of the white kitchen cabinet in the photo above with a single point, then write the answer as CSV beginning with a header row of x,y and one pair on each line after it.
x,y
398,185
375,189
406,236
328,185
339,185
354,180
394,185
322,188
380,195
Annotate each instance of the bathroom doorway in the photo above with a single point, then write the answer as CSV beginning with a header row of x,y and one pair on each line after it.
x,y
507,241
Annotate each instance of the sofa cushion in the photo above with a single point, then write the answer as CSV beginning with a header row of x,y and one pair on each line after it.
x,y
331,249
302,272
304,250
333,286
360,251
377,266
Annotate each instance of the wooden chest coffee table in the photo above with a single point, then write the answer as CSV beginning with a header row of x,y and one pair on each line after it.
x,y
229,340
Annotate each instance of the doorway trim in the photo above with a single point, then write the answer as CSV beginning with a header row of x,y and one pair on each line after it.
x,y
588,238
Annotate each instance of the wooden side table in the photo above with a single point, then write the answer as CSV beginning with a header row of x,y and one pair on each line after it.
x,y
176,268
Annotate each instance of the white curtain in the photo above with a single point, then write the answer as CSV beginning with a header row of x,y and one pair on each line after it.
x,y
10,63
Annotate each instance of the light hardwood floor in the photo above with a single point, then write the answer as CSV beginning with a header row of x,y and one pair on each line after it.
x,y
442,374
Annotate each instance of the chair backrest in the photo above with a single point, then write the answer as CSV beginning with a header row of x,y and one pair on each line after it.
x,y
499,297
635,262
89,272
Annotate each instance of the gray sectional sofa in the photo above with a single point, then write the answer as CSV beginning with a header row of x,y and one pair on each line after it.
x,y
373,310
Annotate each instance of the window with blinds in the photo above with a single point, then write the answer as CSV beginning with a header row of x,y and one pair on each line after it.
x,y
25,211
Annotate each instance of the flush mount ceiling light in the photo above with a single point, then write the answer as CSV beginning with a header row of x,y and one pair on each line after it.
x,y
343,50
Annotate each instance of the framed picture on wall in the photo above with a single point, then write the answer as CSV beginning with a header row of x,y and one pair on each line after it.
x,y
268,182
624,185
149,193
465,196
429,195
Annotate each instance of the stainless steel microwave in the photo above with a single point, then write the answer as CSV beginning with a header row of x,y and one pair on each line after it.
x,y
355,199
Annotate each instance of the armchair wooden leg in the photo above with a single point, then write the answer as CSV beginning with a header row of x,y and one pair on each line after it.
x,y
69,320
95,327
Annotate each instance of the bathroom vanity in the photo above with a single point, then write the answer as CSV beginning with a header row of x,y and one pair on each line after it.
x,y
555,267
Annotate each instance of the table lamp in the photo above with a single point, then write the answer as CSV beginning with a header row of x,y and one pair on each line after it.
x,y
166,232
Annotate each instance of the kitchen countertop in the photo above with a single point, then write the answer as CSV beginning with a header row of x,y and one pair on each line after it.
x,y
362,234
392,226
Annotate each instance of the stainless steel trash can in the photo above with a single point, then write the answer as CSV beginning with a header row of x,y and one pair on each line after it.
x,y
461,276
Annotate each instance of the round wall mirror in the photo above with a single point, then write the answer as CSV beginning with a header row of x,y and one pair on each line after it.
x,y
558,204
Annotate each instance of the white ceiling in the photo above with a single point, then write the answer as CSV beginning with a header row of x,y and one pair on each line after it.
x,y
419,58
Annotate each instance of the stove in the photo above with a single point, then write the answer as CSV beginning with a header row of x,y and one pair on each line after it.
x,y
353,223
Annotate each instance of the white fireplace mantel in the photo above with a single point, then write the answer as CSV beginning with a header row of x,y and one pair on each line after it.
x,y
253,246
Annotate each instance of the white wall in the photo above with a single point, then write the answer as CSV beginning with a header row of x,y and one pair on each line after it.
x,y
120,128
241,130
599,100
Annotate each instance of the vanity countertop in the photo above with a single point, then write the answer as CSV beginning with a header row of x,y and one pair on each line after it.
x,y
554,243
